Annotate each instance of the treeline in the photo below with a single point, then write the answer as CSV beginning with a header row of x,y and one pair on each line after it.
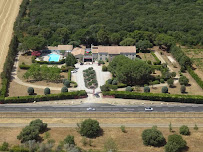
x,y
12,52
53,22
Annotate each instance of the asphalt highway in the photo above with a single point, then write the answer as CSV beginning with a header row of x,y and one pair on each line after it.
x,y
100,108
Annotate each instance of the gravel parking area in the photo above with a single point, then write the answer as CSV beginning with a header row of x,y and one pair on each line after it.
x,y
101,77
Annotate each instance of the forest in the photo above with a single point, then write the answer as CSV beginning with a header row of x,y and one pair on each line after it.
x,y
111,22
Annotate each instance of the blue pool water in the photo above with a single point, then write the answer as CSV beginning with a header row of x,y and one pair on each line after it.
x,y
54,57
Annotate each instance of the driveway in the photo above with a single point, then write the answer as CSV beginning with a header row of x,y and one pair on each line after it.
x,y
101,77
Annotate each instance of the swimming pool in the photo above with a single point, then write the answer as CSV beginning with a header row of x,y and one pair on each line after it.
x,y
54,57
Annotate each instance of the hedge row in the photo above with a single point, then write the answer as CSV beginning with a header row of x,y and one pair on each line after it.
x,y
49,97
158,62
51,62
156,97
69,74
196,77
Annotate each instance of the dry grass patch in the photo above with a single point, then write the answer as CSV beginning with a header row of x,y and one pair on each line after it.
x,y
126,141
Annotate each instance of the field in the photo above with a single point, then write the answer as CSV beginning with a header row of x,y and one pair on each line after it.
x,y
197,57
126,141
8,13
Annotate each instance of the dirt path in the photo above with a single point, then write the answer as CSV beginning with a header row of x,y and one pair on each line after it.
x,y
8,12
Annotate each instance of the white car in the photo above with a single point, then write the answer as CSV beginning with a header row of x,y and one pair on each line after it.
x,y
91,109
148,109
74,71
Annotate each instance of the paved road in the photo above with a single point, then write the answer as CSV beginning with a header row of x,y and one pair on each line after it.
x,y
100,108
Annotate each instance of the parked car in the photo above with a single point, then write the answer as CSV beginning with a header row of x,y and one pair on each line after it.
x,y
148,109
91,109
74,71
97,95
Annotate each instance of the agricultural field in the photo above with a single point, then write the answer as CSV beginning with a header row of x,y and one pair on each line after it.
x,y
8,13
196,56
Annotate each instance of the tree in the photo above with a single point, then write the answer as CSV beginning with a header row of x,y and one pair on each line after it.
x,y
146,89
110,145
130,72
67,83
163,39
47,91
153,137
69,140
184,130
183,80
164,89
28,133
170,82
144,45
129,89
64,89
30,91
115,38
70,60
33,43
103,36
182,89
104,68
175,143
90,128
42,127
127,42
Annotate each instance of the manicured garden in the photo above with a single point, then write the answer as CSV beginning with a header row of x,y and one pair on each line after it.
x,y
90,78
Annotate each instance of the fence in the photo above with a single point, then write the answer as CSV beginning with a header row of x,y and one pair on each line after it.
x,y
101,115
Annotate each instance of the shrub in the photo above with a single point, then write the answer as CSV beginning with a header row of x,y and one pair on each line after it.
x,y
101,62
184,130
64,89
182,89
4,146
69,74
24,66
156,82
90,128
47,91
149,62
109,81
30,90
69,140
110,145
42,127
114,82
36,53
84,141
67,83
162,80
170,82
104,88
146,89
164,89
129,89
104,68
153,137
173,74
123,129
175,143
113,87
64,80
183,80
19,149
195,127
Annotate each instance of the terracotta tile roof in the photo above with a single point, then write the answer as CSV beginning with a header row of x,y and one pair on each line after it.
x,y
78,51
114,49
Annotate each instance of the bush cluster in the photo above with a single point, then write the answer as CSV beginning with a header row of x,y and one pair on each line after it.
x,y
156,97
184,130
196,77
